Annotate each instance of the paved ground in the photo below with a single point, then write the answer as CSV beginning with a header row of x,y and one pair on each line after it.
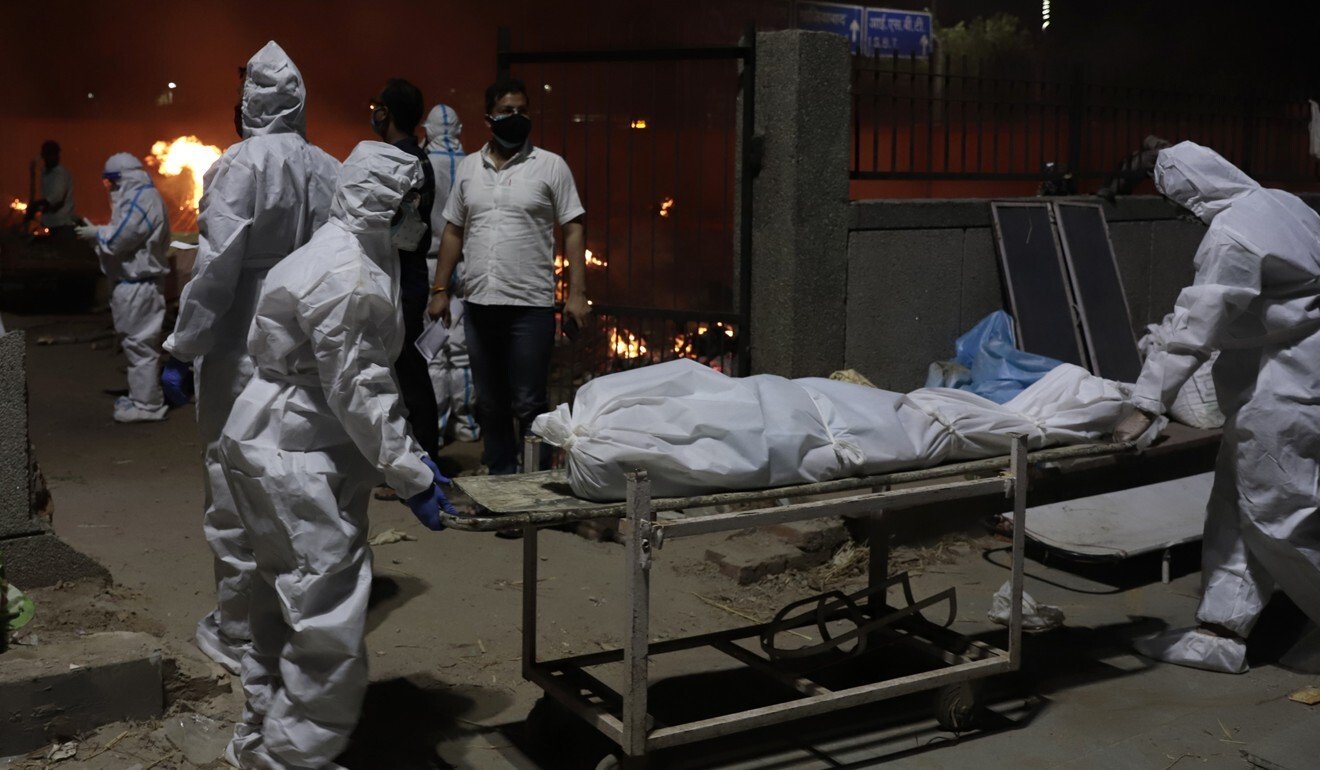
x,y
444,631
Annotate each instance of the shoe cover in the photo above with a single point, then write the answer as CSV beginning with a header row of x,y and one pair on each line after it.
x,y
208,641
131,412
1194,649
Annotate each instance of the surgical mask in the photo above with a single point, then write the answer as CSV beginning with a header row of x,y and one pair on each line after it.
x,y
407,229
510,131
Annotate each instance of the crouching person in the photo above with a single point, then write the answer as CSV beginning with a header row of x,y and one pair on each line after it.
x,y
311,434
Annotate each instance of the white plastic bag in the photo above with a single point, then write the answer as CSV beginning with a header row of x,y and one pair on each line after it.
x,y
1197,403
1035,617
696,431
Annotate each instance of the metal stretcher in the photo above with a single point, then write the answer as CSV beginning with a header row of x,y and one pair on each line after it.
x,y
532,501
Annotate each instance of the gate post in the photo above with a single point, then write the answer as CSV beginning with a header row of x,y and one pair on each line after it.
x,y
800,203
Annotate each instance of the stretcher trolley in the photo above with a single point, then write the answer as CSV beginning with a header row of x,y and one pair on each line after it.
x,y
885,612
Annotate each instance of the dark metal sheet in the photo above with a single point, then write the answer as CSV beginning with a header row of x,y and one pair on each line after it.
x,y
1097,288
1032,266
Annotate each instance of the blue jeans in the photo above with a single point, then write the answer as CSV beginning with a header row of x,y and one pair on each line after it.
x,y
510,350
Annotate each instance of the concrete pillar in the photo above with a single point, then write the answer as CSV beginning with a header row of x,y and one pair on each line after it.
x,y
800,203
33,555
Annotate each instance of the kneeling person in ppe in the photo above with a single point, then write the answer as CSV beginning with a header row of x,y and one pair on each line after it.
x,y
313,431
132,253
1256,298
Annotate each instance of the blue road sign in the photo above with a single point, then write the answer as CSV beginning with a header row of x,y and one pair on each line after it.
x,y
906,33
843,20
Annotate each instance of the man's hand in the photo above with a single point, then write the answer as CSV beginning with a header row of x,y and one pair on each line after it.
x,y
438,307
87,232
578,309
1133,426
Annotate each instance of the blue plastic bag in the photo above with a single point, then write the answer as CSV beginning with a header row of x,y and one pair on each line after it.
x,y
999,371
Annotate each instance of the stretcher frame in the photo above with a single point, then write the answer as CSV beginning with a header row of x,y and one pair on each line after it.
x,y
623,716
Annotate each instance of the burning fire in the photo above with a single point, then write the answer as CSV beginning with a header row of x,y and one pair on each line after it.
x,y
561,265
640,123
665,206
683,342
625,344
186,152
18,205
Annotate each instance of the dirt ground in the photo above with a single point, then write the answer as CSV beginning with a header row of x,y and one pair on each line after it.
x,y
444,626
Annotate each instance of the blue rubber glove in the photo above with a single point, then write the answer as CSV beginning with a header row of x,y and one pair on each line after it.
x,y
176,379
426,506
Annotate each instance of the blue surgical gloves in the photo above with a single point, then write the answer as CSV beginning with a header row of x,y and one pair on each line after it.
x,y
176,379
426,506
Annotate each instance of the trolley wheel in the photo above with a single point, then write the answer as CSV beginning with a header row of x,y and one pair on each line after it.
x,y
957,706
615,762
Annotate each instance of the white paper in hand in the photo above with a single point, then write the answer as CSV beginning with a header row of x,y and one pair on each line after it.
x,y
432,339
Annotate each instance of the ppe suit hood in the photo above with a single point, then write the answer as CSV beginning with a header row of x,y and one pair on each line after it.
x,y
273,94
443,128
372,184
129,171
1199,179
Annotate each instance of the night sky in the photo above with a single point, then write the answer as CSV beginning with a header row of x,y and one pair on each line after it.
x,y
125,53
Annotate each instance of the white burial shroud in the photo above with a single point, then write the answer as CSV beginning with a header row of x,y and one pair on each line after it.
x,y
696,431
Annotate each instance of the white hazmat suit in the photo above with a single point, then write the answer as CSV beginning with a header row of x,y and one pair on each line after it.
x,y
131,250
315,428
1256,298
451,369
262,199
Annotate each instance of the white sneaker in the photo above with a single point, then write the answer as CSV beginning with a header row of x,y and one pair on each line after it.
x,y
1192,648
131,412
208,641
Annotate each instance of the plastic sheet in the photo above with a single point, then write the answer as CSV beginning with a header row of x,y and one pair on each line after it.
x,y
696,431
987,362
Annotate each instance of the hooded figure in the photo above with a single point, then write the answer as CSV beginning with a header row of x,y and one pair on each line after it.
x,y
1256,298
450,370
262,199
131,250
315,428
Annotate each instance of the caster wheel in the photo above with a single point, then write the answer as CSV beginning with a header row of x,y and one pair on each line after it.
x,y
614,762
957,706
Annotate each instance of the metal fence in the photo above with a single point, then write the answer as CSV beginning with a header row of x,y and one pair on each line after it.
x,y
955,119
651,138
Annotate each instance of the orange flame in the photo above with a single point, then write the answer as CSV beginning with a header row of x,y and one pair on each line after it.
x,y
665,206
18,205
625,344
185,153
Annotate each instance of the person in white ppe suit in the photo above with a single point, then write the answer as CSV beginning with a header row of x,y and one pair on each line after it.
x,y
451,369
131,250
262,199
314,430
1256,299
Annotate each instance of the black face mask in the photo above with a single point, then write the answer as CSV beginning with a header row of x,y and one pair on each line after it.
x,y
511,131
238,119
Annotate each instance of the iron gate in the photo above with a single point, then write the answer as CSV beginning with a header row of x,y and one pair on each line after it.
x,y
651,137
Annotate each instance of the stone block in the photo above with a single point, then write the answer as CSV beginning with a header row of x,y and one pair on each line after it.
x,y
42,560
903,299
15,504
60,691
813,535
982,287
1131,242
1172,249
747,558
